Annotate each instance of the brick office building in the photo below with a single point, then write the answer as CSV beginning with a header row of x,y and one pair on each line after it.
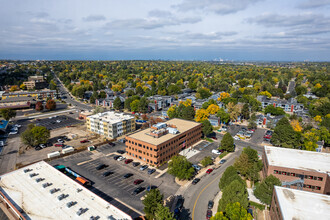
x,y
159,143
297,204
290,164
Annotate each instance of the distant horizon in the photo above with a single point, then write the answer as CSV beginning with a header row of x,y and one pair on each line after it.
x,y
193,30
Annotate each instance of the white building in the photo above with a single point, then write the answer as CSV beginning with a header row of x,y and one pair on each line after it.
x,y
39,191
111,124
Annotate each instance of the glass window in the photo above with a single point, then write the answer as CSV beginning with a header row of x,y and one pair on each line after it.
x,y
320,178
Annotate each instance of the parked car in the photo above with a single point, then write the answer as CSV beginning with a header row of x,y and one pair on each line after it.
x,y
102,166
222,161
121,158
138,181
127,161
215,138
59,145
151,171
138,190
215,151
116,157
60,140
120,151
151,187
143,167
236,137
17,125
84,141
37,148
13,132
128,175
58,121
210,204
42,146
208,214
112,144
135,164
196,167
209,171
107,173
195,181
179,203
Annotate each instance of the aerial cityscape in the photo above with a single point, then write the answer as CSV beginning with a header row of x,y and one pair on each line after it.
x,y
165,110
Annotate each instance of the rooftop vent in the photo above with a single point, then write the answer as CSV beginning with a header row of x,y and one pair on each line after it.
x,y
40,179
46,185
94,218
27,170
52,191
70,204
81,211
33,174
62,196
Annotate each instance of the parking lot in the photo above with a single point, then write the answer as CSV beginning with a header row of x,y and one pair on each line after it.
x,y
57,122
115,185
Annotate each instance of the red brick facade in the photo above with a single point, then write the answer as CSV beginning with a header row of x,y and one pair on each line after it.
x,y
158,154
314,181
275,210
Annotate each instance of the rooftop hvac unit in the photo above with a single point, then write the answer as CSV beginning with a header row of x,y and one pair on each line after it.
x,y
52,191
81,211
33,174
27,170
62,196
46,185
40,179
70,204
94,218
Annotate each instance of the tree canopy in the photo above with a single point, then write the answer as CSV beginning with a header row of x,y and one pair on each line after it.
x,y
7,113
264,191
180,167
227,143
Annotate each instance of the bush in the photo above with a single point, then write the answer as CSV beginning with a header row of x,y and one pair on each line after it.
x,y
206,161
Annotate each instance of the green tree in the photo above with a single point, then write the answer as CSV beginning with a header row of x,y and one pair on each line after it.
x,y
206,161
98,109
172,112
102,95
219,216
92,100
229,176
274,110
143,105
223,115
35,135
180,167
235,211
117,103
227,143
135,105
242,164
7,113
234,192
50,104
163,213
52,85
139,90
151,201
203,93
186,112
264,191
246,111
207,127
284,135
252,154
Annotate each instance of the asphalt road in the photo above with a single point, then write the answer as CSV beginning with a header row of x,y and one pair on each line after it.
x,y
8,155
69,99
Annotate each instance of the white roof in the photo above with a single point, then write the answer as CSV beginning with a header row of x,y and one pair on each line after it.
x,y
38,203
298,159
298,204
111,117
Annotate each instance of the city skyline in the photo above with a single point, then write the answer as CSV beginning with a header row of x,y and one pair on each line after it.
x,y
260,30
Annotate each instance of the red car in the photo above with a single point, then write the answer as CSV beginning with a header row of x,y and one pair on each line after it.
x,y
208,214
127,161
209,171
138,181
84,141
59,145
215,138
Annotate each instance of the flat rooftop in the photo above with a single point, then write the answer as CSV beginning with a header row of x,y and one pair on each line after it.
x,y
111,117
298,159
181,125
298,204
36,202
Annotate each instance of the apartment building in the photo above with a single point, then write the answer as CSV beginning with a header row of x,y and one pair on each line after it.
x,y
41,94
159,143
312,168
290,105
111,124
297,204
35,82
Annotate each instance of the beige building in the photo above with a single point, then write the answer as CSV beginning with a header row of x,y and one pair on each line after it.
x,y
35,82
111,124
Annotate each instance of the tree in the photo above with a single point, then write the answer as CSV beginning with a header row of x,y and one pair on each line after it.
x,y
266,93
284,135
35,135
233,111
98,109
172,112
50,104
223,95
296,126
229,176
13,88
117,104
52,85
143,105
39,106
102,95
219,216
227,143
203,93
236,211
201,115
139,90
234,192
207,127
246,111
186,112
206,161
223,115
151,201
163,213
7,113
22,86
274,110
212,109
135,106
264,191
242,164
180,167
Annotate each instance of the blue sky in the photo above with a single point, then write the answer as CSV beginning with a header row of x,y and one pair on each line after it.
x,y
281,30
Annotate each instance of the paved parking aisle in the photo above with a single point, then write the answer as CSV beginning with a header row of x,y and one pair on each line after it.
x,y
57,122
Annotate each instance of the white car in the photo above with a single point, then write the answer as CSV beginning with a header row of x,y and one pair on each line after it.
x,y
60,141
121,158
214,151
236,138
42,146
58,121
17,125
13,132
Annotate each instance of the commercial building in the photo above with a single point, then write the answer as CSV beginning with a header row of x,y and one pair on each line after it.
x,y
41,94
17,102
297,204
35,82
111,124
159,143
39,191
312,168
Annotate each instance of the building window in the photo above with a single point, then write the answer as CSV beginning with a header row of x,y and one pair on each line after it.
x,y
313,187
147,148
310,177
293,174
320,178
315,178
288,173
148,160
318,188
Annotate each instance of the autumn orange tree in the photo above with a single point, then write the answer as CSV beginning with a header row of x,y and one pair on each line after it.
x,y
201,115
213,109
296,126
223,95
